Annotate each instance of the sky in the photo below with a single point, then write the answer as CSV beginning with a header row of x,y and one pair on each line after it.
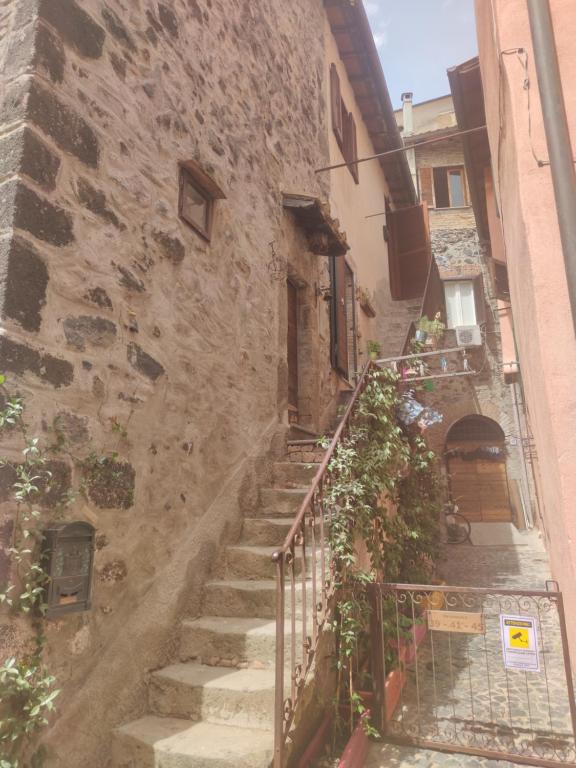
x,y
418,40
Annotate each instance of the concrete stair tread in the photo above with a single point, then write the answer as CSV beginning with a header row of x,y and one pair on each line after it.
x,y
235,625
204,743
196,675
254,585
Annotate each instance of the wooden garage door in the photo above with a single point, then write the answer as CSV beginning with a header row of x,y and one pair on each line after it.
x,y
480,489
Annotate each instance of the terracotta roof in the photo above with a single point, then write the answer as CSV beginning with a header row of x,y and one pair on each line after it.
x,y
351,30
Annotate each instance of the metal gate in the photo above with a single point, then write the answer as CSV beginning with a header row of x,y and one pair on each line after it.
x,y
475,671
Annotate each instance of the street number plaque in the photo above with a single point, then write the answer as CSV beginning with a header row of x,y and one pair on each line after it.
x,y
457,621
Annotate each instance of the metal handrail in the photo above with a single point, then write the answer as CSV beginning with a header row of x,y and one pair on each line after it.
x,y
302,539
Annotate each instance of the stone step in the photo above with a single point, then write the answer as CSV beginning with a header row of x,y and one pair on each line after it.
x,y
250,599
281,502
235,640
290,474
173,743
305,451
239,697
248,562
271,532
265,531
254,599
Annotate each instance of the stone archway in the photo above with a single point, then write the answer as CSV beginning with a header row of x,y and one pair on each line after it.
x,y
476,463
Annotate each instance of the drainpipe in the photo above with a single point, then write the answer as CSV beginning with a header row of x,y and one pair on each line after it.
x,y
557,136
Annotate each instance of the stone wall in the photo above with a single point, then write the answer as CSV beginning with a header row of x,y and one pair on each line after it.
x,y
458,253
124,330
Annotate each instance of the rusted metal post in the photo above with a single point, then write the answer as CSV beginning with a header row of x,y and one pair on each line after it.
x,y
278,558
567,664
377,658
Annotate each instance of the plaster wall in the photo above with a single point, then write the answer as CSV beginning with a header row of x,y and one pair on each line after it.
x,y
432,115
354,205
542,318
125,330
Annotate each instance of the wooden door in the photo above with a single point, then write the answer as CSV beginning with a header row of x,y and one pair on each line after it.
x,y
292,347
480,489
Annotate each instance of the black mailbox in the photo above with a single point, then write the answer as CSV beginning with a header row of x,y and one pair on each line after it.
x,y
68,551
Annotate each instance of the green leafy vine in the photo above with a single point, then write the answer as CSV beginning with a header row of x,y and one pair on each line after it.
x,y
386,494
27,690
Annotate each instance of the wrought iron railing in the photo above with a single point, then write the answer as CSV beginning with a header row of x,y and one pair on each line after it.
x,y
305,581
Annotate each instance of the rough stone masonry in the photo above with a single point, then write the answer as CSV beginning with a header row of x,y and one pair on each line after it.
x,y
122,328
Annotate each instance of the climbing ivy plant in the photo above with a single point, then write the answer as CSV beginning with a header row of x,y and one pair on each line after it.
x,y
386,493
27,689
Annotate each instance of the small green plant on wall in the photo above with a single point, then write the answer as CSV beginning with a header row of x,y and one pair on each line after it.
x,y
28,690
374,350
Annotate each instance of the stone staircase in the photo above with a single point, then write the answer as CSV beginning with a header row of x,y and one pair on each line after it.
x,y
215,707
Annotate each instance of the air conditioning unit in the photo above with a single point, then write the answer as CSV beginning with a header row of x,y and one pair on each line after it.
x,y
469,336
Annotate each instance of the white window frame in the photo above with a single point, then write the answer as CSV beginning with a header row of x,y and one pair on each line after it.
x,y
460,302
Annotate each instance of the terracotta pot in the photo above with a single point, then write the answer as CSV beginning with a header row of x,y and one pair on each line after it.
x,y
356,750
395,681
316,743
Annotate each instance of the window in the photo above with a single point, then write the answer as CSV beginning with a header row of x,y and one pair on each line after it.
x,y
343,124
443,187
465,303
449,187
198,193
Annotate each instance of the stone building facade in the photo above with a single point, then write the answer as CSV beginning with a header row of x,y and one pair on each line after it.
x,y
461,260
153,357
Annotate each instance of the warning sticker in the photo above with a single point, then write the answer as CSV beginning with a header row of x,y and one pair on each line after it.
x,y
520,642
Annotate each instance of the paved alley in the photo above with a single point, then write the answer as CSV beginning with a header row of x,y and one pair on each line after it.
x,y
458,688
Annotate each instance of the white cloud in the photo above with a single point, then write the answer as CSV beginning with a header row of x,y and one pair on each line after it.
x,y
379,23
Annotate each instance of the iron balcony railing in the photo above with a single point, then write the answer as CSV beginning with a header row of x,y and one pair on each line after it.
x,y
305,580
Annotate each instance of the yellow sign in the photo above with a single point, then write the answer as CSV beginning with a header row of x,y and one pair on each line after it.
x,y
520,642
519,638
457,621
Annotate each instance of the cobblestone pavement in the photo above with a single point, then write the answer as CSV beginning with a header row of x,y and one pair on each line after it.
x,y
457,687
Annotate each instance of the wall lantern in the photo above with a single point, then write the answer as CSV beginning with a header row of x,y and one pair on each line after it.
x,y
68,552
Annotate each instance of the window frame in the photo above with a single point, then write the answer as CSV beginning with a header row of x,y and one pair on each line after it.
x,y
190,172
447,169
478,294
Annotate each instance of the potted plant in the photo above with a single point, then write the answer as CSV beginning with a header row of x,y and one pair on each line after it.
x,y
374,350
429,331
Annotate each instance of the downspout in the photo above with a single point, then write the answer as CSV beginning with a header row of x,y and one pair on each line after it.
x,y
557,136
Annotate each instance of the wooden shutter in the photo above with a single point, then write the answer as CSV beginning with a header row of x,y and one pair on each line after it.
x,y
338,325
479,300
426,187
336,104
352,147
409,252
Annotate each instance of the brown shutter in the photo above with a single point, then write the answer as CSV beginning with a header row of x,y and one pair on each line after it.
x,y
426,187
409,252
336,104
480,300
353,147
339,330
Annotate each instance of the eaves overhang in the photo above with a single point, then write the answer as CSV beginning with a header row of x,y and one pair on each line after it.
x,y
351,29
468,96
323,233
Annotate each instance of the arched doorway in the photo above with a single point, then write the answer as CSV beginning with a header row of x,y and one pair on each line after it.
x,y
476,462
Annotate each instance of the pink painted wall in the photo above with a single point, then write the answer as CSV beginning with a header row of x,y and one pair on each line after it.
x,y
542,319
